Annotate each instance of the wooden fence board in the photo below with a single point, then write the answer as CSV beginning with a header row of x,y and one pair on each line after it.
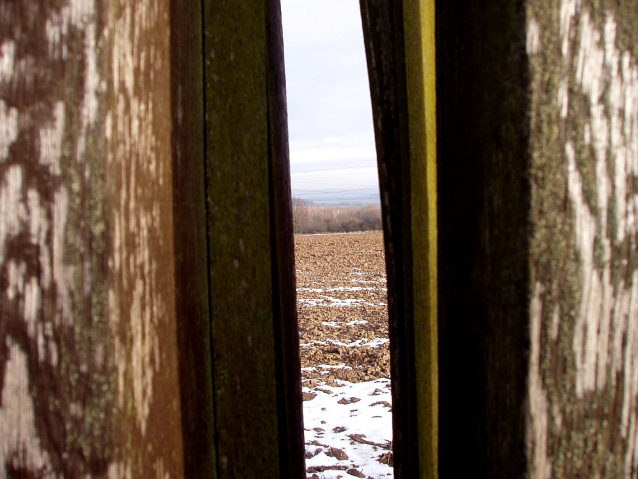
x,y
90,357
582,383
286,329
139,207
484,198
56,378
107,166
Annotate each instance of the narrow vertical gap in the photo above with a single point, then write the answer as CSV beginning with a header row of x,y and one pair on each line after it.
x,y
341,279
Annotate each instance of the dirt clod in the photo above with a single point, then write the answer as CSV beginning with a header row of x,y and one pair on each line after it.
x,y
355,473
386,459
337,453
308,396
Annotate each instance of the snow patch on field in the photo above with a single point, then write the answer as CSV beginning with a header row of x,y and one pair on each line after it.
x,y
345,354
345,418
374,343
333,301
342,288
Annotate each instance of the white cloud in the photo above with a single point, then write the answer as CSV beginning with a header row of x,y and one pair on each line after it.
x,y
329,112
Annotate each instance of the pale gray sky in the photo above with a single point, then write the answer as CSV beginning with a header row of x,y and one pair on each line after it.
x,y
329,113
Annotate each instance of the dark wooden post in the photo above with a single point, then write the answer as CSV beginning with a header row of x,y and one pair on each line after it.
x,y
537,264
536,166
484,237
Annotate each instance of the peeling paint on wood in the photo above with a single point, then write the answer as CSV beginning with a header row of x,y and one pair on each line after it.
x,y
105,354
141,293
538,157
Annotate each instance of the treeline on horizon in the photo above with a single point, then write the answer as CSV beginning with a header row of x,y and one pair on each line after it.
x,y
309,218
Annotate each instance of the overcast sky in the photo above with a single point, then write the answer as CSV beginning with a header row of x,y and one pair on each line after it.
x,y
329,113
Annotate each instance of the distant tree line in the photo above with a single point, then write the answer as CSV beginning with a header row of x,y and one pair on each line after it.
x,y
309,218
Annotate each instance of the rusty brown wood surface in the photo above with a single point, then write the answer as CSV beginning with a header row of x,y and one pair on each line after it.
x,y
96,168
106,362
191,255
139,207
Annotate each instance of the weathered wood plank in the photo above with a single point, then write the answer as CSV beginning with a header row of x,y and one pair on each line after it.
x,y
255,338
56,373
419,33
286,326
141,295
399,39
91,128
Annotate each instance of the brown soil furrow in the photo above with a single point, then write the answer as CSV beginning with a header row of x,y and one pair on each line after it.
x,y
342,307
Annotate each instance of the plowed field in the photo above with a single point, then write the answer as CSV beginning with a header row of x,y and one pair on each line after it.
x,y
343,322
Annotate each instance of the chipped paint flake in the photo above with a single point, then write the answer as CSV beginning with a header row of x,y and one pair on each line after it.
x,y
7,59
8,129
20,442
533,43
51,140
538,419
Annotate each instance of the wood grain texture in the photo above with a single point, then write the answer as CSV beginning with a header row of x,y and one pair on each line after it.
x,y
285,324
400,56
537,169
141,295
582,386
419,18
